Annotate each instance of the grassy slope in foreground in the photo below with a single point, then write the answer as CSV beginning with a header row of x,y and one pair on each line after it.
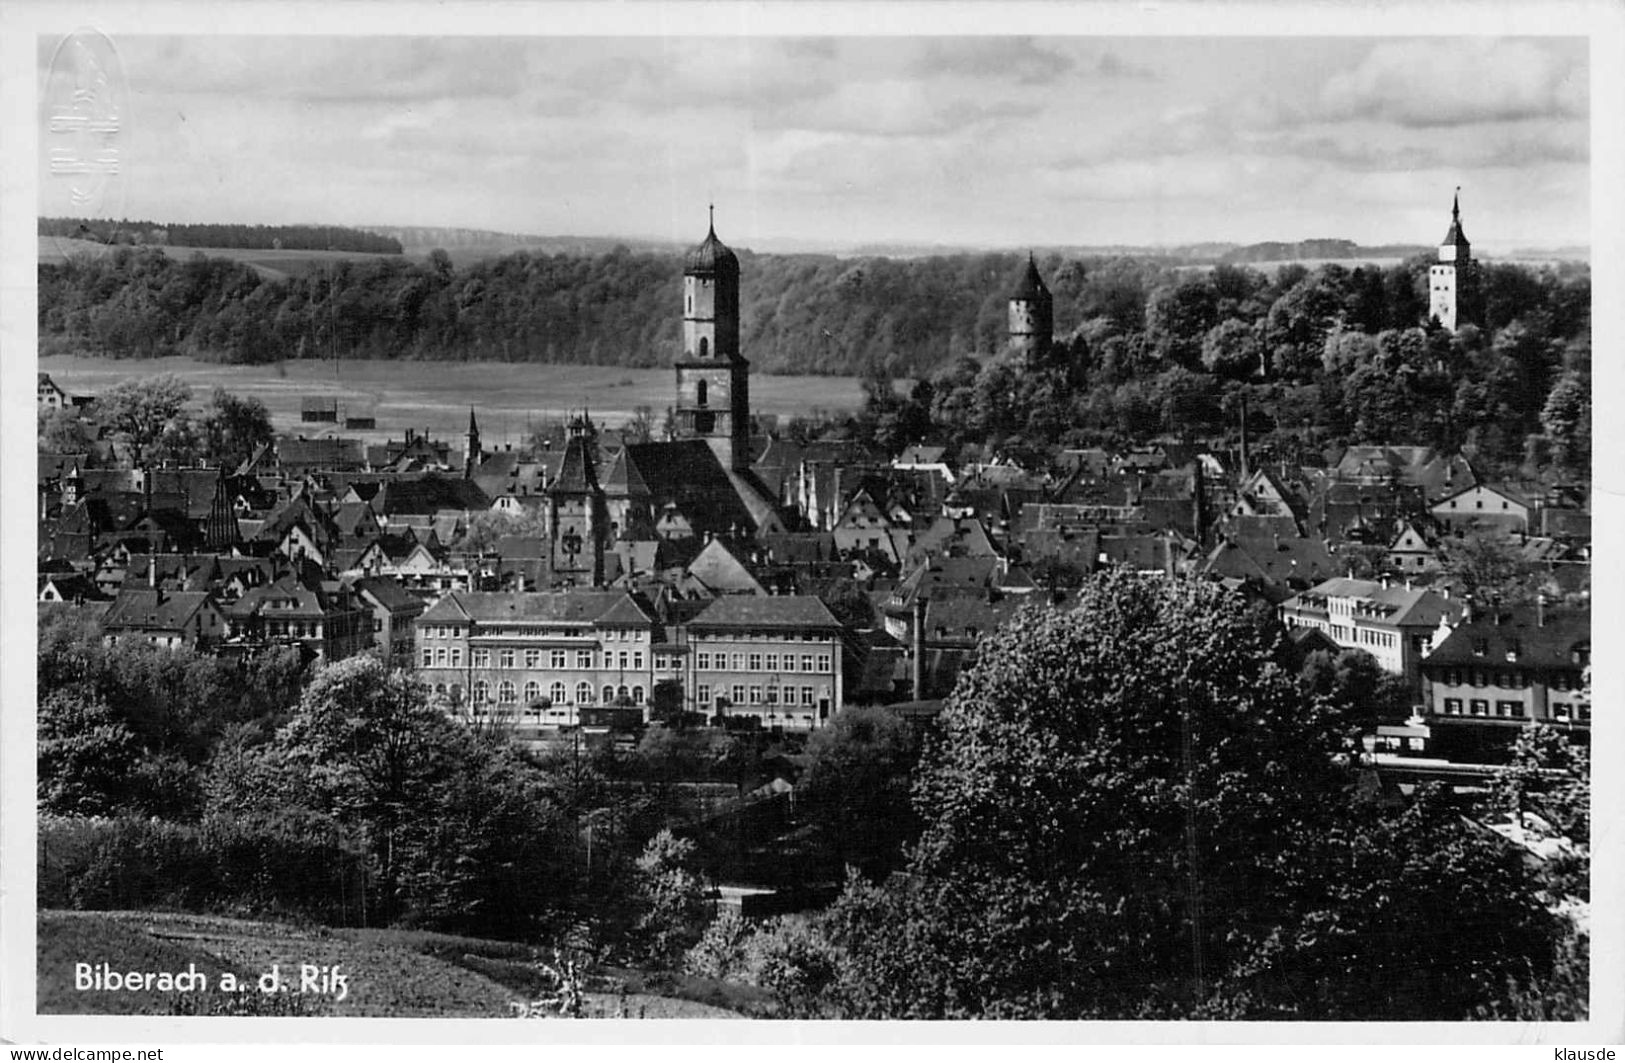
x,y
394,974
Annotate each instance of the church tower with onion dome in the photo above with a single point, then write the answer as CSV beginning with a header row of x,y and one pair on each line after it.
x,y
1453,280
1032,316
713,378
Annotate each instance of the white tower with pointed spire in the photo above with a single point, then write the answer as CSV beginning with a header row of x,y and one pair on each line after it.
x,y
1453,280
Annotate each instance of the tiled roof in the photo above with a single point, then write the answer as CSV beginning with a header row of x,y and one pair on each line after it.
x,y
559,607
1401,606
1485,643
750,610
141,608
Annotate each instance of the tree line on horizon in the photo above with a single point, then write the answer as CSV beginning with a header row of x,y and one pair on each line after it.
x,y
222,235
1143,346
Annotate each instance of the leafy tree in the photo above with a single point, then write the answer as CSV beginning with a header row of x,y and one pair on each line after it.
x,y
857,784
1355,683
1134,812
1566,420
1232,349
672,902
148,415
234,428
1488,567
63,431
86,757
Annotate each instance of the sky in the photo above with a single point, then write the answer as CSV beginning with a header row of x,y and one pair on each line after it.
x,y
823,141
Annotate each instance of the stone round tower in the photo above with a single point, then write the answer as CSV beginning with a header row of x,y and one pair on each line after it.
x,y
1032,315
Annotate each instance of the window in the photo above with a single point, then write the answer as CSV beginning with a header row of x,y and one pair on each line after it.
x,y
702,694
699,387
609,693
428,657
806,695
1480,707
456,656
623,660
823,662
637,695
756,662
504,658
555,693
772,662
637,662
807,662
621,694
739,662
702,661
772,694
583,658
755,694
1509,710
533,690
555,659
533,658
1560,710
440,656
482,691
481,658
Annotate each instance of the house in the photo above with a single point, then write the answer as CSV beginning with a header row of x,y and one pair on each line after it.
x,y
1411,552
776,660
158,617
51,395
1483,507
1281,565
394,617
1510,668
324,618
1393,622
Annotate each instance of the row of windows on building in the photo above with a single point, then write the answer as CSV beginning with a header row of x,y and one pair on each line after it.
x,y
1474,677
705,661
507,692
1514,710
756,694
443,631
558,660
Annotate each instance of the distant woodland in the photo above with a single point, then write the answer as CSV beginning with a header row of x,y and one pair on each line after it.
x,y
1143,346
238,237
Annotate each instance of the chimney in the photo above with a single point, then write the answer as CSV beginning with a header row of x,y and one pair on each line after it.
x,y
918,661
1244,470
152,572
1540,610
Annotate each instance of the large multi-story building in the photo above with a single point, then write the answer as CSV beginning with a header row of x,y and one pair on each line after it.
x,y
773,658
1511,668
538,658
1393,622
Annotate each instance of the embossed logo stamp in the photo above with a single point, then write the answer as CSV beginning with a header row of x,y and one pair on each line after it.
x,y
84,123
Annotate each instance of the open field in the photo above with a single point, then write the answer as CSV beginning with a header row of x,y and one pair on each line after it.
x,y
509,398
269,263
396,974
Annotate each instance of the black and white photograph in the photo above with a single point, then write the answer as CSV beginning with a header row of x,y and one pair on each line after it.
x,y
801,514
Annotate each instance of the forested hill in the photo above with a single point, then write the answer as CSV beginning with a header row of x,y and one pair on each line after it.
x,y
236,237
801,313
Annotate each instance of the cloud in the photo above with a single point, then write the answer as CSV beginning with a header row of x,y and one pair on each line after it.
x,y
1430,83
1017,59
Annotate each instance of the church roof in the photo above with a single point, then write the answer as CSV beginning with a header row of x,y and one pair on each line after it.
x,y
1032,285
1456,237
711,256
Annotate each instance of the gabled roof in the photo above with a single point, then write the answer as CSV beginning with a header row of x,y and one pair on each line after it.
x,y
1489,488
555,607
145,609
388,593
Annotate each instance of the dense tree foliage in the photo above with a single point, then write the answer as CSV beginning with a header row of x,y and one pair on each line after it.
x,y
258,237
1142,347
1133,811
857,785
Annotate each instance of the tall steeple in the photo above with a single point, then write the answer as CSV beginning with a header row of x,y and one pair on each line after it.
x,y
472,454
713,378
1453,280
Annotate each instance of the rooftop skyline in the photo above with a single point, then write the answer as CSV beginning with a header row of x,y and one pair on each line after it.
x,y
814,142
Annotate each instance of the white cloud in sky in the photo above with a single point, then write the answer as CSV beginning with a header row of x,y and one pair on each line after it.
x,y
1003,140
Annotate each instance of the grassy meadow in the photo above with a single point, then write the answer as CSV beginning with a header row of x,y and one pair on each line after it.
x,y
390,973
509,398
